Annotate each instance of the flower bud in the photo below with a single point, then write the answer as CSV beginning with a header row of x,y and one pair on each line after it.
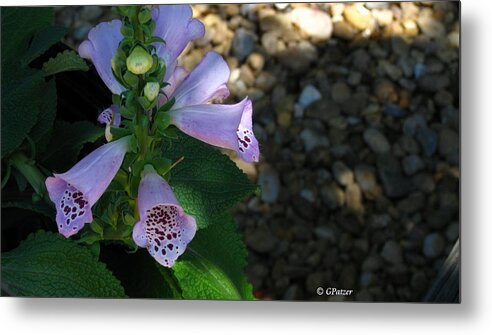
x,y
139,61
151,90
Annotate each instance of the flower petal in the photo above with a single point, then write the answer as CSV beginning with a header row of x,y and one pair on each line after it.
x,y
110,116
175,24
164,229
174,81
225,126
93,174
72,208
249,150
207,81
100,48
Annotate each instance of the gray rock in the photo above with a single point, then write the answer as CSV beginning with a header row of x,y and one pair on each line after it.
x,y
261,240
342,174
449,145
433,245
453,232
270,184
395,111
392,252
376,141
311,139
340,92
395,184
430,26
332,196
412,164
90,13
428,139
243,43
366,178
309,95
412,123
313,22
81,32
433,82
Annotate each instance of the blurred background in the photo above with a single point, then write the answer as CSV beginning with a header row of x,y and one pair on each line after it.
x,y
356,107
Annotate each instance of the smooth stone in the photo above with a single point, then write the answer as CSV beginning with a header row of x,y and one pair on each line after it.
x,y
433,245
428,139
342,173
392,252
312,139
395,111
309,95
315,23
376,141
243,43
270,184
412,164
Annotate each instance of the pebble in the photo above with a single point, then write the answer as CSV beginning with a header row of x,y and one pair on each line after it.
x,y
243,44
312,139
395,111
261,240
392,252
412,164
340,92
315,23
365,176
430,26
270,184
376,141
433,245
309,95
359,16
428,139
342,174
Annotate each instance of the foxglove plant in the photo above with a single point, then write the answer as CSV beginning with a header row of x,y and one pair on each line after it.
x,y
137,59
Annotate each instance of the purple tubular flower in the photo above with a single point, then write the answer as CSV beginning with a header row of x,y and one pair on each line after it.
x,y
111,117
175,24
77,190
100,48
225,126
164,228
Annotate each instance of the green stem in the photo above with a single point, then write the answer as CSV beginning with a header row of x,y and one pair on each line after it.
x,y
31,172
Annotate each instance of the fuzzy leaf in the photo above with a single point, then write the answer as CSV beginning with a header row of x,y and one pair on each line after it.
x,y
18,25
213,264
40,133
206,182
42,40
66,142
47,265
21,97
65,61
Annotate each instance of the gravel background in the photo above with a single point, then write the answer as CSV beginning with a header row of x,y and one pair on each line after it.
x,y
356,108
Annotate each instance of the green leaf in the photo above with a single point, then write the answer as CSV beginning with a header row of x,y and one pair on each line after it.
x,y
213,265
206,182
40,133
66,142
18,25
65,61
140,275
42,40
21,97
48,265
39,207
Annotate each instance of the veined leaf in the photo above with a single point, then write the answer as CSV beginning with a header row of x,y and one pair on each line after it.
x,y
66,142
42,40
48,265
206,182
213,265
65,61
